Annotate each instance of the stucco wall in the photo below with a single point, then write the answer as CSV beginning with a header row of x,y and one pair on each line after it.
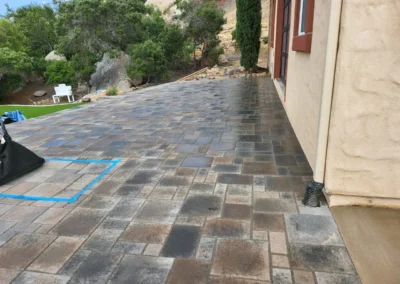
x,y
364,138
304,81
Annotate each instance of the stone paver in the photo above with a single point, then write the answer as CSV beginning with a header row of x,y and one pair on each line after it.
x,y
208,190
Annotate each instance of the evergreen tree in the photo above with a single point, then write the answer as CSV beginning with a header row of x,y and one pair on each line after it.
x,y
248,29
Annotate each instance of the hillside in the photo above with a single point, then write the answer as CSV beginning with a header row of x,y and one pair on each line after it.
x,y
226,38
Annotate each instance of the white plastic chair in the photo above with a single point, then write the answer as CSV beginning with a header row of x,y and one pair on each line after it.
x,y
63,91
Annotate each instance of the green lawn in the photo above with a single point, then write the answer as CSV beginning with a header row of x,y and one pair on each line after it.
x,y
35,111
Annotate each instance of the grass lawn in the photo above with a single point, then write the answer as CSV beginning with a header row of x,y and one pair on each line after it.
x,y
35,111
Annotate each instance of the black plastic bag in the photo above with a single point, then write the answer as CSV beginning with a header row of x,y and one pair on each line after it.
x,y
15,159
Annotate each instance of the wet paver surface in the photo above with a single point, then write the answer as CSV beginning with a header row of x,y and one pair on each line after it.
x,y
209,190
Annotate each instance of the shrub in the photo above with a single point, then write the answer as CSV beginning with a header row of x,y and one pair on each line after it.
x,y
113,91
234,34
213,55
60,72
248,28
265,40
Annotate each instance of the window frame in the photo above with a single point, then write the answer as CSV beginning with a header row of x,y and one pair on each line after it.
x,y
302,40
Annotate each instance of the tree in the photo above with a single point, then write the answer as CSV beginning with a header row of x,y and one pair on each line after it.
x,y
58,72
12,65
248,29
203,22
148,60
37,23
97,26
11,36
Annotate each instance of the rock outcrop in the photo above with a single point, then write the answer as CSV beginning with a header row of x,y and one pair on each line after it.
x,y
53,56
112,72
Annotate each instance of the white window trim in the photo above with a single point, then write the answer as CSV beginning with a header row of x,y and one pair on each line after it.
x,y
301,15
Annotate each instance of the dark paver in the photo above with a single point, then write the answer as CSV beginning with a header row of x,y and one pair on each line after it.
x,y
313,230
197,162
96,269
145,177
72,265
321,258
227,228
237,211
202,205
235,179
268,222
142,270
182,242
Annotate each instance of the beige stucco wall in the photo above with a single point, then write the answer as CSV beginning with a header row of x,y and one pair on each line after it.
x,y
364,139
304,81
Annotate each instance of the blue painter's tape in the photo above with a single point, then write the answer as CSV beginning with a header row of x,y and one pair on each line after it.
x,y
113,164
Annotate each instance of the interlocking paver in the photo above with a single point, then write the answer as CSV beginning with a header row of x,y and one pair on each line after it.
x,y
55,256
7,275
241,258
42,278
81,222
185,271
97,268
22,249
209,172
182,242
142,269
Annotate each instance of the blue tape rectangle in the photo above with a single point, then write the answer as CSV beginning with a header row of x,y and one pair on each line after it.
x,y
113,164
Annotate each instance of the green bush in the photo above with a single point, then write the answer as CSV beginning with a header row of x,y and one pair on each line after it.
x,y
39,65
60,72
213,55
248,28
148,60
113,91
234,34
265,40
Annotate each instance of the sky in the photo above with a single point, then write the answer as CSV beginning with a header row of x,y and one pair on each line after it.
x,y
18,3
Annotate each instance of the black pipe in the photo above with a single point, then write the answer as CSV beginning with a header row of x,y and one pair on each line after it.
x,y
313,194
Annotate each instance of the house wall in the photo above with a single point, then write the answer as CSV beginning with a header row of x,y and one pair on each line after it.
x,y
302,98
363,157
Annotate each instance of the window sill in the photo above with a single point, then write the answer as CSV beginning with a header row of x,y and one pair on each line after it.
x,y
302,43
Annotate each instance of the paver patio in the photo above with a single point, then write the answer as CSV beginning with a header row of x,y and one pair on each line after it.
x,y
209,190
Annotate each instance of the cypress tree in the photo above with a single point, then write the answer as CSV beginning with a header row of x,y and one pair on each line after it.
x,y
248,27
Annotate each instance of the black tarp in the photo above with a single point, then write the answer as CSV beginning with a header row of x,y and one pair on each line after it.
x,y
15,159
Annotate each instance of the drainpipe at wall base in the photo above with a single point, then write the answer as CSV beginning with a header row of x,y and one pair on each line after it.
x,y
314,188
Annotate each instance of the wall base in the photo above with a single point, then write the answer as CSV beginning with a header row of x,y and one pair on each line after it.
x,y
349,200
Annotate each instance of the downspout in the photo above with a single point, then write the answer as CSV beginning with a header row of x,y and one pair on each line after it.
x,y
314,188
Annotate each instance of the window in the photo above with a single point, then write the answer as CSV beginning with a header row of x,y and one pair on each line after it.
x,y
303,25
302,17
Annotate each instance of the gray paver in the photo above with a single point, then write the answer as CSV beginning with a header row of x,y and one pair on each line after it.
x,y
96,269
142,270
42,278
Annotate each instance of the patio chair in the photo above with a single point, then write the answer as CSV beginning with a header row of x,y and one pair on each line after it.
x,y
63,91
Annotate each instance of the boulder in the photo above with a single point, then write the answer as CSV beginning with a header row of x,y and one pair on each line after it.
x,y
112,72
222,60
53,56
124,85
40,93
86,99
